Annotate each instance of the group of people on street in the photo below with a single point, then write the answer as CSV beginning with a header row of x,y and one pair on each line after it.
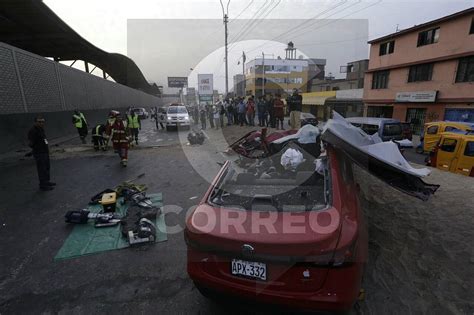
x,y
117,129
269,109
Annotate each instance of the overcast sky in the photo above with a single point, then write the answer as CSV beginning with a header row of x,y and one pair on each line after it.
x,y
104,22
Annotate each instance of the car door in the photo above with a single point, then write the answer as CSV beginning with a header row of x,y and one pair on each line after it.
x,y
465,164
431,137
447,153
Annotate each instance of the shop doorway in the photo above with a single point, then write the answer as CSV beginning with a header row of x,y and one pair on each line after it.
x,y
416,117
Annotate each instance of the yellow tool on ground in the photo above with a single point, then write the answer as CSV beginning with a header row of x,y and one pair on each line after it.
x,y
109,202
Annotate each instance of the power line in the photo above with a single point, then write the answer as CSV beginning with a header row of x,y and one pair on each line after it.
x,y
307,21
238,15
330,22
259,21
251,21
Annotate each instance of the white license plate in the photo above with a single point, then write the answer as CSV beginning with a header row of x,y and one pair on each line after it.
x,y
249,269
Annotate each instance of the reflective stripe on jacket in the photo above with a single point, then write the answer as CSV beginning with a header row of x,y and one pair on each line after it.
x,y
79,118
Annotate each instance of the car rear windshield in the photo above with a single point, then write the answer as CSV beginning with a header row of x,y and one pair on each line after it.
x,y
370,129
177,110
273,189
393,129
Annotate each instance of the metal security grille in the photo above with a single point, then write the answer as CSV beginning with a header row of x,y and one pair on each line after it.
x,y
416,116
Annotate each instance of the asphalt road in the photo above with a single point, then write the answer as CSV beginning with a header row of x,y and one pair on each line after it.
x,y
144,280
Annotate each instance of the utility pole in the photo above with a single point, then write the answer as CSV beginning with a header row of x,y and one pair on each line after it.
x,y
226,20
263,74
244,83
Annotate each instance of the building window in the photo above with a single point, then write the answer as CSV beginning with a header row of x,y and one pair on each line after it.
x,y
428,37
387,48
465,71
420,72
471,31
380,79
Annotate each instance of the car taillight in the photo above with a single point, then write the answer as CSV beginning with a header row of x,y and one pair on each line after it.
x,y
345,255
340,257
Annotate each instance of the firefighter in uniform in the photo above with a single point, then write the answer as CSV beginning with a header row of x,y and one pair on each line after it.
x,y
117,131
134,124
98,137
80,123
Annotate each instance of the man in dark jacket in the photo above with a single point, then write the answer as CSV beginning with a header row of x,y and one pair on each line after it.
x,y
98,137
295,103
38,142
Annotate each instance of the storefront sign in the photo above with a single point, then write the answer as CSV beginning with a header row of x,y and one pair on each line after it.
x,y
416,97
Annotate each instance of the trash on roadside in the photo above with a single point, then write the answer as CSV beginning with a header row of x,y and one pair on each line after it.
x,y
196,137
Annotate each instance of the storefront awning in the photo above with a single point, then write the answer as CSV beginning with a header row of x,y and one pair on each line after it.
x,y
317,98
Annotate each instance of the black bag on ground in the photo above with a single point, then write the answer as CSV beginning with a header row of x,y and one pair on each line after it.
x,y
77,216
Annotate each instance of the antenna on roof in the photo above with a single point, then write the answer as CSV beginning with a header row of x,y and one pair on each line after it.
x,y
397,29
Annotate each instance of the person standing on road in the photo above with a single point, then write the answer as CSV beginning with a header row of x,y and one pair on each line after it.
x,y
270,111
210,115
260,111
80,123
230,113
221,109
98,137
236,110
202,117
216,114
196,114
39,144
295,103
241,110
117,131
134,124
251,111
279,110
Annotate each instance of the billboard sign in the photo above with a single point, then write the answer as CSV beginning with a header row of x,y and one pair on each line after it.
x,y
205,84
177,82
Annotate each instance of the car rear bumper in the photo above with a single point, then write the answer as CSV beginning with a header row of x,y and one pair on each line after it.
x,y
339,291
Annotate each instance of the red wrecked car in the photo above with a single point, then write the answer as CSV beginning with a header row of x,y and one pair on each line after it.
x,y
291,233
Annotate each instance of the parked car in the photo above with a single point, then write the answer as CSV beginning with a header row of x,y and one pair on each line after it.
x,y
142,113
307,119
406,131
388,129
176,116
433,130
294,238
454,153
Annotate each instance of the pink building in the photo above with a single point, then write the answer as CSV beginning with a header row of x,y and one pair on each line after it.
x,y
423,73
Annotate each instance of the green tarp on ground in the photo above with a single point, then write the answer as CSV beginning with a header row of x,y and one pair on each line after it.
x,y
85,239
